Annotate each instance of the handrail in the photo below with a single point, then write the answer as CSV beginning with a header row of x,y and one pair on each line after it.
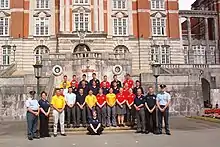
x,y
172,66
50,87
9,70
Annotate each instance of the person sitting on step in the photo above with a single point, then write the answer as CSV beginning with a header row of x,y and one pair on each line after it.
x,y
95,127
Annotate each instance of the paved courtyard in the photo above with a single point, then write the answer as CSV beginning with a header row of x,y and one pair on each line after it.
x,y
192,133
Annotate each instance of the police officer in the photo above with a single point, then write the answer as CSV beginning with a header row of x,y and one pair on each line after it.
x,y
32,116
150,104
163,102
140,113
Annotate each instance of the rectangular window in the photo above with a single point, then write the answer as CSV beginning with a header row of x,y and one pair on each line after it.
x,y
81,1
119,4
199,54
212,54
186,54
120,26
81,21
4,26
158,26
6,53
165,55
157,4
42,4
4,4
154,54
42,26
160,54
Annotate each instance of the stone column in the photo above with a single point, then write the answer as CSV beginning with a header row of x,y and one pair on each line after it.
x,y
62,15
217,41
190,50
96,16
101,16
207,51
67,11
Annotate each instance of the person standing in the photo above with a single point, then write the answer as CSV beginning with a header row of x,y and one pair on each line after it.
x,y
101,107
121,107
115,88
58,103
130,108
138,85
163,102
44,115
115,79
90,103
83,80
70,98
111,109
65,81
84,87
95,127
94,79
80,108
129,81
74,83
106,82
140,114
32,116
104,88
94,88
150,104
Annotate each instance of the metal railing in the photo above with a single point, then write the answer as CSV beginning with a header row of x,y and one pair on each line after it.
x,y
203,66
9,70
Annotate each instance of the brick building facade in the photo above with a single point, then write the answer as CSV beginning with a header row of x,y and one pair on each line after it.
x,y
148,29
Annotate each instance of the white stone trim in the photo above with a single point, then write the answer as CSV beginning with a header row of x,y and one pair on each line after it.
x,y
62,23
31,18
101,16
130,18
95,15
109,9
67,23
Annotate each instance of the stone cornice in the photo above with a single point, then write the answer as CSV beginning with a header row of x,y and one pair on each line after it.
x,y
197,13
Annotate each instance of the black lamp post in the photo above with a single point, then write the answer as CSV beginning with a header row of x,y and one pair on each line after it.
x,y
156,72
14,49
38,73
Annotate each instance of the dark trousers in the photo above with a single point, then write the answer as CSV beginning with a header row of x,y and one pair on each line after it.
x,y
131,115
32,123
71,112
151,123
89,113
140,115
164,114
102,113
81,115
44,120
99,130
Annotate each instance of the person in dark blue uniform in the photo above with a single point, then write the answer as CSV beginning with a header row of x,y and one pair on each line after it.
x,y
32,116
94,79
94,88
83,80
44,115
95,127
117,82
115,88
138,86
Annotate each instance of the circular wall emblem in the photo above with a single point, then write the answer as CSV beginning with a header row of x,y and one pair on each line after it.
x,y
117,69
57,70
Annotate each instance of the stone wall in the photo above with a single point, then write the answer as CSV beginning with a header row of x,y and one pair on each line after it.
x,y
215,97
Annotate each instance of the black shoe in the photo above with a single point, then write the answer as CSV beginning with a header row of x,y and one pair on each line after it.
x,y
168,133
115,126
63,134
36,137
146,132
84,126
138,132
30,138
68,126
41,136
54,135
159,133
122,125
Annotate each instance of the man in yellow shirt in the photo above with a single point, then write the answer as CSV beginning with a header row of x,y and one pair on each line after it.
x,y
91,103
111,110
65,83
58,103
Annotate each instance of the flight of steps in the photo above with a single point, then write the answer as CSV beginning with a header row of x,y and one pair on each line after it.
x,y
82,130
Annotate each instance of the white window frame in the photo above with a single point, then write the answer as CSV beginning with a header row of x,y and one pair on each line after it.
x,y
80,2
119,4
158,26
199,54
186,54
6,55
4,26
212,54
157,4
165,55
39,52
119,29
4,4
81,23
121,50
42,4
155,53
42,30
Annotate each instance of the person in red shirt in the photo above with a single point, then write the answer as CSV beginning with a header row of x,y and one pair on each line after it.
x,y
126,90
105,81
74,83
129,81
101,107
121,107
130,108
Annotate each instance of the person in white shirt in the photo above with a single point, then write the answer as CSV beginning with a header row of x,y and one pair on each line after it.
x,y
70,98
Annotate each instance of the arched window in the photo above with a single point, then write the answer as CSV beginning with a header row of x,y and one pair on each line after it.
x,y
39,51
121,49
81,48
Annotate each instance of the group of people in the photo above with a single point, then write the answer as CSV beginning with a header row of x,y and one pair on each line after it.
x,y
97,105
